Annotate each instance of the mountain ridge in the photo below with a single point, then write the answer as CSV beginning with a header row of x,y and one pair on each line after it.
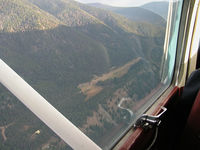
x,y
20,15
101,17
143,14
160,8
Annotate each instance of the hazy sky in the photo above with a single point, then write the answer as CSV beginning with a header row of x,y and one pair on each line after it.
x,y
121,3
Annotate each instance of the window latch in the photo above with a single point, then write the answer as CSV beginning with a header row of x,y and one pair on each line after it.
x,y
149,121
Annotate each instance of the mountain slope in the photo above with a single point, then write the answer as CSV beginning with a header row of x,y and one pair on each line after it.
x,y
160,8
140,14
62,9
113,31
134,13
17,15
66,11
118,21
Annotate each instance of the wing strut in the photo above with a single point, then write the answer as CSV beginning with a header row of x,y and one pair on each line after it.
x,y
44,110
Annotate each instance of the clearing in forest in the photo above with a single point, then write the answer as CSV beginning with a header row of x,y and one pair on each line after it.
x,y
91,88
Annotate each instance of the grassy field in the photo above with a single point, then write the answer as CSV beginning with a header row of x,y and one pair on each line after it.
x,y
91,88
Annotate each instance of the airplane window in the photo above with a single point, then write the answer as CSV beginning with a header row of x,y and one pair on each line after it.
x,y
97,62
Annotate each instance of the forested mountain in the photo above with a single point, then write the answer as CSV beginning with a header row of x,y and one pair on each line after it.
x,y
83,60
82,15
138,14
21,16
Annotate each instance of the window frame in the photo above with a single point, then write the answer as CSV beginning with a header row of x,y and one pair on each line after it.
x,y
184,65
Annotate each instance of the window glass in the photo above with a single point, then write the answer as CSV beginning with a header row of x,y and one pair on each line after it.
x,y
98,64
